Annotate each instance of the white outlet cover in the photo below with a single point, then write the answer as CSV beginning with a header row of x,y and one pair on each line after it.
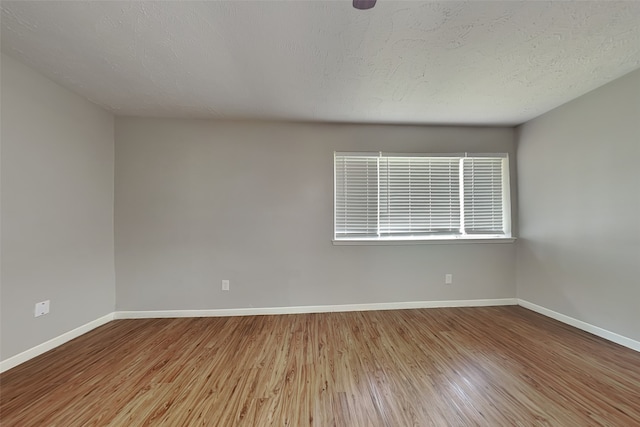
x,y
42,308
225,285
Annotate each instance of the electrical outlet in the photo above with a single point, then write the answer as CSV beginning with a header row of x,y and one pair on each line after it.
x,y
41,309
225,285
448,279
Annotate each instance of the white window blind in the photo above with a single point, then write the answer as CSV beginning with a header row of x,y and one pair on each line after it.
x,y
483,196
356,202
418,197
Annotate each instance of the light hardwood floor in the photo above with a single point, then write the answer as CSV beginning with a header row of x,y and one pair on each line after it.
x,y
492,366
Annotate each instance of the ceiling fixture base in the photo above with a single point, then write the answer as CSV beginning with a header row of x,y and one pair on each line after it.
x,y
364,4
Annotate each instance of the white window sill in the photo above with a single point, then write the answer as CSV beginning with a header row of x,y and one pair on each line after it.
x,y
433,241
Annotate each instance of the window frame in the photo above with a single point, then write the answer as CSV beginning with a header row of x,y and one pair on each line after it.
x,y
435,238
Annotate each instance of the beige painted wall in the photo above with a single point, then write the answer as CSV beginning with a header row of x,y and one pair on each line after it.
x,y
201,201
57,209
579,186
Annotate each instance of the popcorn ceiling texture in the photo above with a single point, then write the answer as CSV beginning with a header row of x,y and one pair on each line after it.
x,y
475,62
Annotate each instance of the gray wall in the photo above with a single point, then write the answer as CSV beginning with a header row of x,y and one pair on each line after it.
x,y
57,209
579,186
201,201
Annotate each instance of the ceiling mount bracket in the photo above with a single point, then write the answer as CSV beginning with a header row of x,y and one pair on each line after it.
x,y
364,4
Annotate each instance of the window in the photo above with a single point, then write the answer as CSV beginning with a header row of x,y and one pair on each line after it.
x,y
381,196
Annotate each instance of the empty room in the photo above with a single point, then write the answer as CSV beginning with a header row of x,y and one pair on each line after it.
x,y
328,213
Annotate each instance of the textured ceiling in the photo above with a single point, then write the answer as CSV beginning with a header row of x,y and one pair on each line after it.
x,y
473,62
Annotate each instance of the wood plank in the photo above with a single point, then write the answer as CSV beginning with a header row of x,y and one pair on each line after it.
x,y
483,366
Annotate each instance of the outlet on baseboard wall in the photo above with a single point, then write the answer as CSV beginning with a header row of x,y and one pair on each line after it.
x,y
225,285
448,279
42,308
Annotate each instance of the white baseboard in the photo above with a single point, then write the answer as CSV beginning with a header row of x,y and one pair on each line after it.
x,y
595,330
19,358
311,309
55,342
68,336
